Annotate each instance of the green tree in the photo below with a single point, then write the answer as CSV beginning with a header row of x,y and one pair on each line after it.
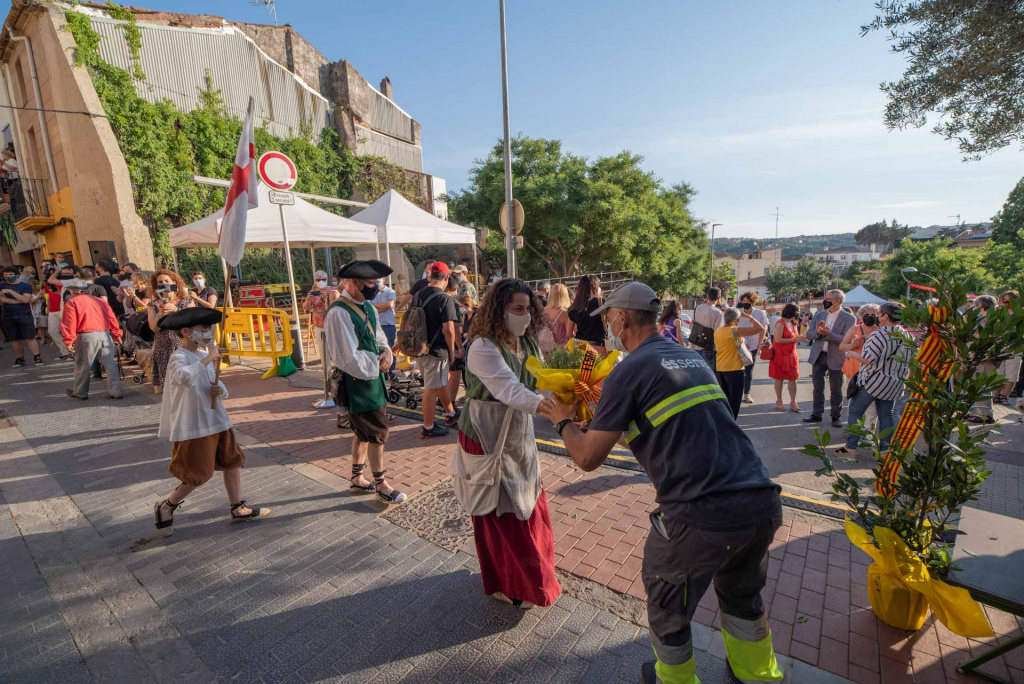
x,y
584,216
1004,261
1008,224
933,256
882,233
779,282
725,280
963,65
810,276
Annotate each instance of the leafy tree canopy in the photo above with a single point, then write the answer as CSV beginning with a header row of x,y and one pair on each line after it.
x,y
810,276
963,65
779,282
933,256
883,234
585,216
1009,222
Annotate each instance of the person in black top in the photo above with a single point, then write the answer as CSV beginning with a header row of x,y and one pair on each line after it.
x,y
589,328
105,279
543,290
442,314
203,295
424,281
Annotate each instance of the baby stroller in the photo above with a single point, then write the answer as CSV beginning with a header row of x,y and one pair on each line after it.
x,y
137,342
406,383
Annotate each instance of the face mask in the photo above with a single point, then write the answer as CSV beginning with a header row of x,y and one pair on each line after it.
x,y
870,320
198,282
745,306
10,278
369,291
614,341
203,338
827,304
62,264
321,284
517,323
30,276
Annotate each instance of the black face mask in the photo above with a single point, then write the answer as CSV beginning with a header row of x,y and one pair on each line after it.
x,y
745,306
827,304
369,292
870,320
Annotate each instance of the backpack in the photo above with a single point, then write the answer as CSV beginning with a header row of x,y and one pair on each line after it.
x,y
412,338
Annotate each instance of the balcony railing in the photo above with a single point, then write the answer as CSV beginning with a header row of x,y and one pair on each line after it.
x,y
28,198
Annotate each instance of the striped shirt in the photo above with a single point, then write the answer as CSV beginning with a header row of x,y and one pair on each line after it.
x,y
884,377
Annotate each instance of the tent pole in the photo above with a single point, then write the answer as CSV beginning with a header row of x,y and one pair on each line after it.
x,y
387,252
174,258
377,245
476,267
291,283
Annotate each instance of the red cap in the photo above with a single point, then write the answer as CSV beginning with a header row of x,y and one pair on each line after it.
x,y
439,268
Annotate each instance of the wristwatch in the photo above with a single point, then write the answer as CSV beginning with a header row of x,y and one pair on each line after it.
x,y
561,425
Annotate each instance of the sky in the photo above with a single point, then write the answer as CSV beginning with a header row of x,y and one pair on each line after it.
x,y
756,104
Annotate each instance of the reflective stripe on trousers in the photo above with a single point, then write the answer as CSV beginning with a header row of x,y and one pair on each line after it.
x,y
748,645
675,663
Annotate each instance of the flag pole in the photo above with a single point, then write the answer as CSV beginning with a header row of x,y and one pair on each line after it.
x,y
225,269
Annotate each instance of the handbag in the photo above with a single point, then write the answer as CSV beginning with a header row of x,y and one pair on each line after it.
x,y
746,358
853,386
768,352
477,481
702,336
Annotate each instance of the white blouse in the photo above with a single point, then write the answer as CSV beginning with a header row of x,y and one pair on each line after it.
x,y
486,362
185,411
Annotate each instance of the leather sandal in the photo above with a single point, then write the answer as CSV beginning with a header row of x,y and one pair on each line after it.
x,y
163,527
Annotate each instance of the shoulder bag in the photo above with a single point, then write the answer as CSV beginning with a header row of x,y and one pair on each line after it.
x,y
477,478
702,336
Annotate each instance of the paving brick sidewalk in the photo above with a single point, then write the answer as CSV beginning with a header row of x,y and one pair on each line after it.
x,y
817,592
322,591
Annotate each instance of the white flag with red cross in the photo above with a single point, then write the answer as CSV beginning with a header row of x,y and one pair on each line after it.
x,y
242,195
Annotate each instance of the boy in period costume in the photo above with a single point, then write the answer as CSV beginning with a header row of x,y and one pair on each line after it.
x,y
203,438
357,346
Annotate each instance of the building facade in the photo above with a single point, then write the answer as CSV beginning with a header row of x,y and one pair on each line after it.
x,y
749,265
840,258
76,195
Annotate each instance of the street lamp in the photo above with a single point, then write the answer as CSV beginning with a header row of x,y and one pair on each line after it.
x,y
711,278
906,273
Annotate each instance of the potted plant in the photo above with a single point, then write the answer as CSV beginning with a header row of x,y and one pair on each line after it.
x,y
907,513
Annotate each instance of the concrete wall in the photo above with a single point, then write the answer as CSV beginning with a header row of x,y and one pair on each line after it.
x,y
289,49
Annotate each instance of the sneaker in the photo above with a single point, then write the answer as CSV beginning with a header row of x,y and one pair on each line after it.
x,y
38,360
453,420
747,399
19,362
435,431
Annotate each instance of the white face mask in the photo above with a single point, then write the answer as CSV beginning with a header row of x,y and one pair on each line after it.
x,y
517,323
203,338
321,284
198,282
614,341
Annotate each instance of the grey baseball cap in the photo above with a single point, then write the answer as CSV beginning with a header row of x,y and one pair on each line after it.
x,y
634,296
78,284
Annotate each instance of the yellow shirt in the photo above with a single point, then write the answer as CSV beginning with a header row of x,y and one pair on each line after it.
x,y
728,357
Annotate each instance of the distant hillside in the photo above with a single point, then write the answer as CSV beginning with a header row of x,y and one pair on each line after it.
x,y
803,244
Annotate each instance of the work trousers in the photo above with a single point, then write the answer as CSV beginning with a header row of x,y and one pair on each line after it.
x,y
53,328
91,347
680,563
835,383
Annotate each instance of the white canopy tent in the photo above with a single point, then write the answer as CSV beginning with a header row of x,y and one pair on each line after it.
x,y
398,221
859,296
308,226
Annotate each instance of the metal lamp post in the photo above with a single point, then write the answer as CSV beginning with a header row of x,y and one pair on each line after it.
x,y
906,273
711,278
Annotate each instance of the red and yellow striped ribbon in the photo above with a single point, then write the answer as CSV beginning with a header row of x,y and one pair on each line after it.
x,y
589,393
929,356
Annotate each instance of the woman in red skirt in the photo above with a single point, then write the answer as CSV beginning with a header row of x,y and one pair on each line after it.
x,y
785,364
503,491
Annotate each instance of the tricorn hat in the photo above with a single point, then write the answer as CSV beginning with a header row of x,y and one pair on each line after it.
x,y
364,270
186,318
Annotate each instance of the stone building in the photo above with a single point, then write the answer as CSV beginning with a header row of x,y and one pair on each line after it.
x,y
75,194
749,265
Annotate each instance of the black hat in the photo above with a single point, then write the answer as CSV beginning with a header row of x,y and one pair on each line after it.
x,y
366,270
186,318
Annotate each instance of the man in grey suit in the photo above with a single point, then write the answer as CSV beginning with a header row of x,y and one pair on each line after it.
x,y
827,329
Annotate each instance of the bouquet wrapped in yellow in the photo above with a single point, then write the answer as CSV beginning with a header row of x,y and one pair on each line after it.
x,y
573,373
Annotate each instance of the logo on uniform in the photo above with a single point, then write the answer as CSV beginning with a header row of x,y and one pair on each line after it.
x,y
683,364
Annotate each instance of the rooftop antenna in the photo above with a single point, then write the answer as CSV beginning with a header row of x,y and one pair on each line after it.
x,y
776,215
271,6
957,217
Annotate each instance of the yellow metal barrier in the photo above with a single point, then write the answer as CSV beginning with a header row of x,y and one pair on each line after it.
x,y
264,333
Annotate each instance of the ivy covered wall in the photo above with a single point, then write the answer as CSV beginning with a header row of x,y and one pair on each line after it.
x,y
163,147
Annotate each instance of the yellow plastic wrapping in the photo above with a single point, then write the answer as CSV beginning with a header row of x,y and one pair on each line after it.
x,y
901,590
567,386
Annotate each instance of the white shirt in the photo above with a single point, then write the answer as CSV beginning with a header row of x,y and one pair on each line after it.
x,y
486,362
830,320
762,318
709,316
185,411
343,347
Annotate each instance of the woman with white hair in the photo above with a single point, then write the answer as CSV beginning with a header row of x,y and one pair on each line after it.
x,y
728,362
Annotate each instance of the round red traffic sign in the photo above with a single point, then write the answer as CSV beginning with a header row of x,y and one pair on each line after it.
x,y
277,170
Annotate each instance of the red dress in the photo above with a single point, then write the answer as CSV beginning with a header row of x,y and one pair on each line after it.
x,y
517,557
785,364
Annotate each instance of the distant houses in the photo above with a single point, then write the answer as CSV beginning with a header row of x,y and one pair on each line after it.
x,y
964,235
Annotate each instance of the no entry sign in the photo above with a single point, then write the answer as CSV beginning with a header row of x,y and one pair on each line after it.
x,y
277,170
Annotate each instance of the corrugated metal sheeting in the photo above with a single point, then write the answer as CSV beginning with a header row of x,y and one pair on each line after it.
x,y
401,153
387,117
175,62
